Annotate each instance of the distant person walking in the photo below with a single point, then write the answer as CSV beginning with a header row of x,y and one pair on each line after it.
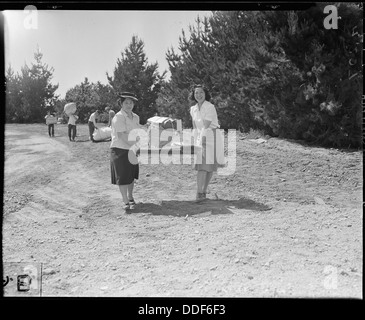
x,y
50,121
72,126
92,124
123,161
111,115
205,125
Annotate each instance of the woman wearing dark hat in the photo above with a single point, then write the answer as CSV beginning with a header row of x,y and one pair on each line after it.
x,y
123,170
205,124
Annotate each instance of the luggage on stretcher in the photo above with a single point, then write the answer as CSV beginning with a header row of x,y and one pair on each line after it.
x,y
101,134
158,124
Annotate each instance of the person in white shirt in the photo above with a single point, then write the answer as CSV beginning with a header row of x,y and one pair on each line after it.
x,y
210,154
50,125
72,126
111,115
123,161
92,124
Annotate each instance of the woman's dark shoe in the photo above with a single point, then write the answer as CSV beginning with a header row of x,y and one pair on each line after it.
x,y
126,208
200,197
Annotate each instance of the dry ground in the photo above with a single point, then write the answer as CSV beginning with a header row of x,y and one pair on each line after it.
x,y
287,223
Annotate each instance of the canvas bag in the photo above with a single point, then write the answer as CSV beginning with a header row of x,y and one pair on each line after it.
x,y
51,120
101,134
70,108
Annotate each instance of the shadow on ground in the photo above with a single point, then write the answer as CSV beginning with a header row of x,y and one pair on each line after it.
x,y
88,140
208,207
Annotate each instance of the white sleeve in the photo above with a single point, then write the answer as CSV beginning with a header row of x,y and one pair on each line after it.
x,y
211,113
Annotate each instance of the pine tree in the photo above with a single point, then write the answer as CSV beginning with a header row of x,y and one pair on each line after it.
x,y
219,54
86,98
174,102
330,65
38,93
106,98
13,98
133,74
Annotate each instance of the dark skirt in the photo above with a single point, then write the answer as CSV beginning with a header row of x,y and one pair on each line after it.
x,y
123,172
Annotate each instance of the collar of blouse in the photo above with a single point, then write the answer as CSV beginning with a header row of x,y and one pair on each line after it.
x,y
204,104
129,115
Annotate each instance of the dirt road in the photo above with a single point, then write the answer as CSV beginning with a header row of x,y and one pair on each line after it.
x,y
287,223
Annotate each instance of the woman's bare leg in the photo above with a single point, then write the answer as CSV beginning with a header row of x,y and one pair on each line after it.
x,y
208,177
201,177
130,191
124,191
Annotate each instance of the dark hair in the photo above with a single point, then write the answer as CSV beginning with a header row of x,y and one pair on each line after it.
x,y
207,93
120,101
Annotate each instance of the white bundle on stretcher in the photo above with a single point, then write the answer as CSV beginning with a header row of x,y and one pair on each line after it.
x,y
101,134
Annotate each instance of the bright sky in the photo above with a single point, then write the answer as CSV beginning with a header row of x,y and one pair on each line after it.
x,y
79,44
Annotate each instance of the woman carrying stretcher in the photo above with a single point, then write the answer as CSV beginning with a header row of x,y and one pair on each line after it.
x,y
123,161
207,136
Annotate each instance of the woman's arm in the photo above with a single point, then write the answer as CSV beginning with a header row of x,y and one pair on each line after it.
x,y
124,137
210,115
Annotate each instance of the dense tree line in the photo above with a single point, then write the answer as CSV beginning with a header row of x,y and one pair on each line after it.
x,y
279,71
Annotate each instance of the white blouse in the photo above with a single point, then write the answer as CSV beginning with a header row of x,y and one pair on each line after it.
x,y
206,112
72,119
214,146
92,118
122,123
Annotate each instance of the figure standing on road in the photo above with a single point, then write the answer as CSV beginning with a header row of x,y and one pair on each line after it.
x,y
210,155
111,115
92,124
123,160
72,126
50,121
